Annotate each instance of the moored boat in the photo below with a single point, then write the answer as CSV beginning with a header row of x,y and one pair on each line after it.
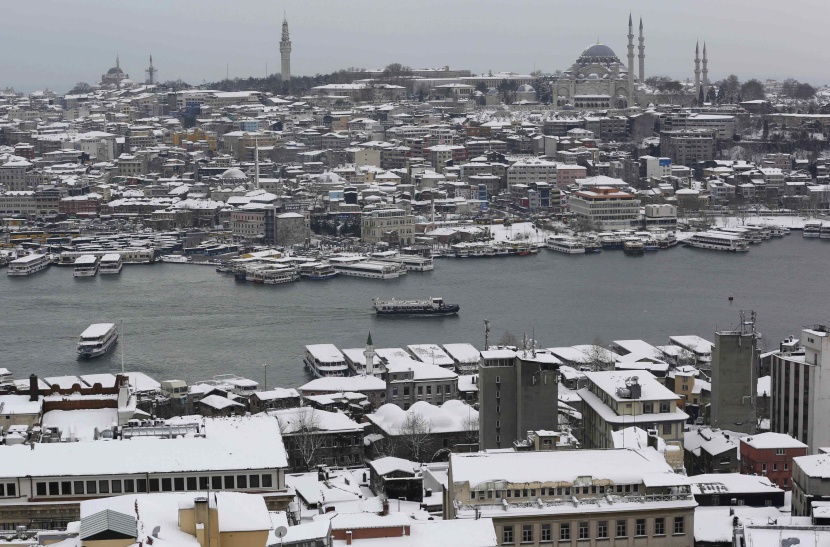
x,y
97,339
434,306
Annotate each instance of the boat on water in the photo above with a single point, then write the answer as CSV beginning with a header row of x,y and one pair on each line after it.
x,y
633,246
360,267
317,270
812,228
272,275
650,244
610,240
434,306
325,360
824,232
176,259
86,266
718,241
565,244
592,244
97,339
110,264
28,264
779,231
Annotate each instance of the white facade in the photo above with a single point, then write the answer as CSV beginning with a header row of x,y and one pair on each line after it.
x,y
379,226
532,170
612,208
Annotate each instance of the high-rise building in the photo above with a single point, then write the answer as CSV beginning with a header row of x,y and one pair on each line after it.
x,y
518,392
734,377
285,53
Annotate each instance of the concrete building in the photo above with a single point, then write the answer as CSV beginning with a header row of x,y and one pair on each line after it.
x,y
290,229
811,482
800,396
573,497
708,450
532,170
687,147
315,437
392,226
617,399
606,207
518,392
734,378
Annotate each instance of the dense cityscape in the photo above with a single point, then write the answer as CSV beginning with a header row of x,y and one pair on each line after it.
x,y
315,191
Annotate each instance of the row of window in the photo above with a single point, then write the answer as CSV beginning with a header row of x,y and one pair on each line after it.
x,y
8,490
583,530
420,390
166,484
533,493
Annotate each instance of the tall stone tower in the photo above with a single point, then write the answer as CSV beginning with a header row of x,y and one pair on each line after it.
x,y
642,55
697,69
705,71
630,61
285,52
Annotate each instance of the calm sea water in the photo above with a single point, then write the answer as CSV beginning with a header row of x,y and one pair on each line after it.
x,y
190,322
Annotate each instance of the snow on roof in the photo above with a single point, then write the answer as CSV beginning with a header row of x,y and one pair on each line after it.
x,y
651,388
341,485
98,329
218,402
583,353
142,383
620,466
735,483
325,353
608,414
714,442
298,534
693,343
468,382
463,353
389,464
452,416
105,379
336,384
431,354
226,446
772,440
80,424
458,533
19,404
639,347
292,420
635,438
64,382
277,393
715,524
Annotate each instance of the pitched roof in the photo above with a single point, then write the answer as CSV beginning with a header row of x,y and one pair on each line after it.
x,y
108,523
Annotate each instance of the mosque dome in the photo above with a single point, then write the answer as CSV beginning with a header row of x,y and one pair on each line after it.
x,y
598,53
234,173
525,88
115,70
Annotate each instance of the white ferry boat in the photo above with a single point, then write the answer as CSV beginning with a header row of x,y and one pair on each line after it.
x,y
779,231
176,259
271,275
317,270
28,264
750,235
719,241
86,266
824,233
565,244
434,306
411,262
97,339
812,228
325,360
110,264
360,267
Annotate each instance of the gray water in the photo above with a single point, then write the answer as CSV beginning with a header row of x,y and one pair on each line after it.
x,y
190,322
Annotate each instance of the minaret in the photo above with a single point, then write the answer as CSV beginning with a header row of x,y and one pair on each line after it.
x,y
369,353
630,61
151,73
118,74
697,70
642,54
705,72
285,52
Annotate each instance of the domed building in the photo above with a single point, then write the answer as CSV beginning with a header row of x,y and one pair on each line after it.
x,y
114,76
598,79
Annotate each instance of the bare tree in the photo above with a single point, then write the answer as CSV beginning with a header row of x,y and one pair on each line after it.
x,y
301,431
597,357
470,432
414,438
508,339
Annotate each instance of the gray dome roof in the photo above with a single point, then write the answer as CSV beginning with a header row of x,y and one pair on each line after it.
x,y
115,70
234,173
598,50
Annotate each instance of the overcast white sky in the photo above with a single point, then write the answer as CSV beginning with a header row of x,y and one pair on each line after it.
x,y
55,43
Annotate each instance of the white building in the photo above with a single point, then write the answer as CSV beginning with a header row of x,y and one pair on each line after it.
x,y
532,170
389,225
608,207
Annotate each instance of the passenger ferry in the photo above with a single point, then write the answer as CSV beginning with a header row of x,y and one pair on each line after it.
x,y
325,360
610,240
824,233
110,264
779,231
812,228
360,267
86,266
272,275
411,262
97,339
317,270
719,241
565,244
434,306
128,255
633,246
28,265
592,244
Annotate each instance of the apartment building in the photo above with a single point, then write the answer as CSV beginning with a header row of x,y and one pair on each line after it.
x,y
608,207
687,147
617,399
771,455
584,497
390,225
532,170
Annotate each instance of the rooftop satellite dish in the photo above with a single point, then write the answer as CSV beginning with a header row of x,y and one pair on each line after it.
x,y
281,531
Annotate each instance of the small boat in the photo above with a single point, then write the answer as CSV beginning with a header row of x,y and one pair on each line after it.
x,y
317,270
651,244
633,246
592,244
565,244
434,306
110,264
97,339
176,259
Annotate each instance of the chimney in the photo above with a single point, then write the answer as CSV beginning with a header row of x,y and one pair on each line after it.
x,y
348,537
385,510
201,510
33,389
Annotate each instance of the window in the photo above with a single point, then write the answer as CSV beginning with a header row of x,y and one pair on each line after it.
x,y
178,484
786,466
420,390
11,490
266,481
780,451
394,392
429,390
507,534
448,389
54,489
141,485
103,487
545,535
660,526
79,487
204,483
602,529
116,487
664,407
66,488
640,527
40,488
648,408
583,531
775,467
216,483
666,429
166,484
527,533
621,529
679,525
242,481
406,392
91,487
191,483
565,532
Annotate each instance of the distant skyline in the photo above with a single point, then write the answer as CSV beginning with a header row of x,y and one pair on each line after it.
x,y
54,43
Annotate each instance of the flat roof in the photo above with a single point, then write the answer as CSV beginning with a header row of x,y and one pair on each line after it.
x,y
97,330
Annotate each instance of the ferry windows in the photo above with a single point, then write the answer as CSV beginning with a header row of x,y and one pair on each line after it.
x,y
91,487
66,488
216,483
254,481
141,485
103,487
229,482
266,481
40,488
54,490
242,481
116,487
166,484
191,483
178,484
